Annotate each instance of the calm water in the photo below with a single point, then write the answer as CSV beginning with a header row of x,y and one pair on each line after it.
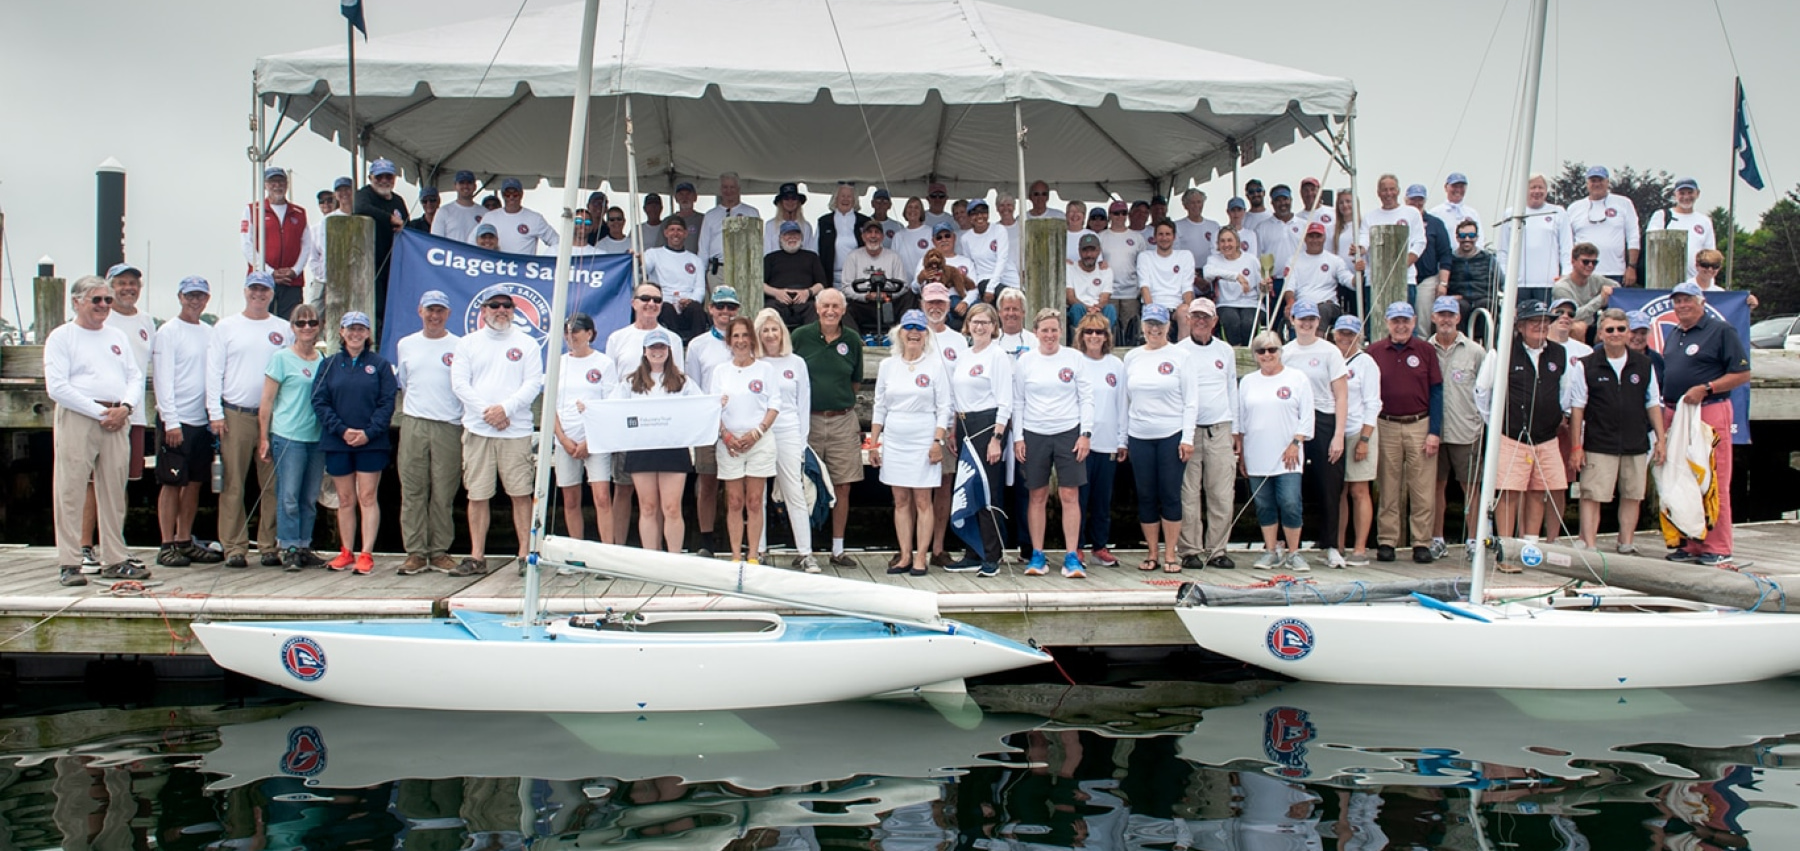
x,y
1240,766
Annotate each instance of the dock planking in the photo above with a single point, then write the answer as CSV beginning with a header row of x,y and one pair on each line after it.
x,y
1119,606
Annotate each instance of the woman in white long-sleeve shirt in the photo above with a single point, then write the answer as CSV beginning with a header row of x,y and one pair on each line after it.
x,y
745,452
1053,419
1547,237
911,416
981,382
791,425
1323,481
1105,373
1363,390
1238,286
1274,419
1162,404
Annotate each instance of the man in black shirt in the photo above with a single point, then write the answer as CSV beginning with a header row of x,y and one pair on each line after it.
x,y
378,201
792,277
1703,361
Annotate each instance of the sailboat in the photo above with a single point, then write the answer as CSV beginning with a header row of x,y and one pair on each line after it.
x,y
873,639
1568,643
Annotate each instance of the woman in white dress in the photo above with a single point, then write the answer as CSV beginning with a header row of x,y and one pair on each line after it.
x,y
1274,420
745,452
790,430
911,417
588,375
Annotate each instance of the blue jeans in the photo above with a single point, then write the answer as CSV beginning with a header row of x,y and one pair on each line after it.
x,y
1277,499
298,468
1096,498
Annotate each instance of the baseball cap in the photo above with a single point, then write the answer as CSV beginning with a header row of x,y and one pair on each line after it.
x,y
1688,288
1532,309
355,317
1400,310
1158,199
1237,204
976,202
1446,304
464,176
1315,227
494,291
1688,183
1638,321
486,228
936,189
1281,192
383,166
1118,207
1347,323
790,227
882,195
656,337
684,186
342,183
596,195
871,225
510,184
652,197
1155,313
1416,190
259,279
1097,213
1203,305
1598,171
914,319
1088,240
1455,178
935,292
942,227
121,268
1309,181
434,298
195,284
1560,302
1305,310
273,172
790,190
1253,185
725,295
428,192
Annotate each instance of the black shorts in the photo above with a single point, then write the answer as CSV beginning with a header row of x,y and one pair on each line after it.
x,y
190,462
1044,452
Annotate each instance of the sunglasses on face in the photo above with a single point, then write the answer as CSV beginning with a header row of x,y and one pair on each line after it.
x,y
1267,351
306,323
938,195
1040,194
1707,265
100,299
611,219
1093,332
1589,261
499,305
584,222
1465,236
650,299
945,236
1618,330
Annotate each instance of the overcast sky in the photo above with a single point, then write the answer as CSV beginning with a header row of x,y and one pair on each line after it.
x,y
164,87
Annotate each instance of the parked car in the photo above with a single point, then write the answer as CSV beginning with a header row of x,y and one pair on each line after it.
x,y
1772,333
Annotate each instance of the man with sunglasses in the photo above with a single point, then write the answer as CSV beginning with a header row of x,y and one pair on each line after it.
x,y
677,271
380,202
521,230
935,214
704,353
1475,278
429,203
1609,222
1587,291
91,374
497,373
241,348
613,238
1614,392
1038,194
1119,247
1256,212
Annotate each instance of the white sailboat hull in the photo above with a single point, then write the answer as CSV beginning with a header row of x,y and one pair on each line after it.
x,y
489,663
1526,645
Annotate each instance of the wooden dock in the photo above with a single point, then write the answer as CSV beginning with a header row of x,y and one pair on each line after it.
x,y
1113,607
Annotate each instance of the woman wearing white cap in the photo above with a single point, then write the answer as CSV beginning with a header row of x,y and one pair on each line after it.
x,y
588,375
1162,404
659,475
1323,365
1053,421
1362,390
790,431
981,383
1274,420
1237,284
290,438
745,452
1105,373
911,417
353,397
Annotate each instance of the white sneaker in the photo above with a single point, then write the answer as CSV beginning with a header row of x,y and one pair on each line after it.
x,y
1335,560
1269,561
809,564
1439,549
1297,563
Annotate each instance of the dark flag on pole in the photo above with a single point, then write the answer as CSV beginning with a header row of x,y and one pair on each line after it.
x,y
1741,141
969,497
353,12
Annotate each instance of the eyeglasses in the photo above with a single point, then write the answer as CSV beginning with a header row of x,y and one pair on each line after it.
x,y
1465,236
100,299
1117,213
499,305
1267,350
938,195
1092,332
306,323
1707,265
582,221
1619,330
1040,194
721,305
611,219
944,236
1589,261
650,299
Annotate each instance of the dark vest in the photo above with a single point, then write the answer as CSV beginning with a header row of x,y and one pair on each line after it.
x,y
1615,421
1533,394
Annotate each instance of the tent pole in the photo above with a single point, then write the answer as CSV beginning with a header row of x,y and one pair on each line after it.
x,y
631,182
1362,311
559,300
355,135
259,160
1019,128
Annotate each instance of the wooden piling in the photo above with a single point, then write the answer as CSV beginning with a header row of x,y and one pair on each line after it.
x,y
49,306
1043,264
742,254
1387,267
349,273
1665,258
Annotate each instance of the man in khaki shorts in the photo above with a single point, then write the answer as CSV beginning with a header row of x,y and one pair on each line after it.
x,y
497,373
834,365
1614,392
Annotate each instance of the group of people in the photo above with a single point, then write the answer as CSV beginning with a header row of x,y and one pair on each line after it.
x,y
1324,414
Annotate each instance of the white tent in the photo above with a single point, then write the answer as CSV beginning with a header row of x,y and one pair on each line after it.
x,y
895,91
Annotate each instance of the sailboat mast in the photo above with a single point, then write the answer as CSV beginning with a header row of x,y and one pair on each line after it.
x,y
559,299
1526,127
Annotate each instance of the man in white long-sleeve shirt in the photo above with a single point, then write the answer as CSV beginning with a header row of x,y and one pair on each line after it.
x,y
1211,473
712,228
1684,217
430,456
1610,222
497,372
1392,212
235,363
1453,210
457,219
90,373
178,353
521,229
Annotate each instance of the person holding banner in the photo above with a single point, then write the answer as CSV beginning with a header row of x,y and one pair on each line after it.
x,y
587,375
981,385
795,389
1707,264
659,475
626,347
353,397
746,455
910,422
497,373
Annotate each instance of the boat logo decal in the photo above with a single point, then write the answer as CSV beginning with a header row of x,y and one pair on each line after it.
x,y
1290,639
1286,732
303,658
1531,556
305,755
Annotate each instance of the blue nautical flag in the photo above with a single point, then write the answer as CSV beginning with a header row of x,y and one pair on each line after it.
x,y
1741,143
969,498
353,12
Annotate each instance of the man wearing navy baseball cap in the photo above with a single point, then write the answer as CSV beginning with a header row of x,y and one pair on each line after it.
x,y
429,200
1697,225
1410,425
430,454
457,219
1610,222
521,230
1453,210
287,244
380,202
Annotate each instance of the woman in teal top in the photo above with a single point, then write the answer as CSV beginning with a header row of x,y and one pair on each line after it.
x,y
290,436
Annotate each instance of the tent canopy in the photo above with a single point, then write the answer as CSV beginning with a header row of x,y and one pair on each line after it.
x,y
896,91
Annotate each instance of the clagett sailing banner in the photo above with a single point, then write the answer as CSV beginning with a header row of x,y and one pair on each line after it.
x,y
1729,306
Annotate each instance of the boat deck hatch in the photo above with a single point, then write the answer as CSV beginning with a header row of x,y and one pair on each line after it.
x,y
674,626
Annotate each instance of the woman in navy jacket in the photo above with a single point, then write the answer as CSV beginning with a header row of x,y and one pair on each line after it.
x,y
353,397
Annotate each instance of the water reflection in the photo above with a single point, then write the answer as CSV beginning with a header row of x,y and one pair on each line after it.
x,y
1269,767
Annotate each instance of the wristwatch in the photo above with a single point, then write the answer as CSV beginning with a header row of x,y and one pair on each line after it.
x,y
1362,438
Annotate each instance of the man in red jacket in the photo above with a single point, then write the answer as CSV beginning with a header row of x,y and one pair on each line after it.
x,y
287,244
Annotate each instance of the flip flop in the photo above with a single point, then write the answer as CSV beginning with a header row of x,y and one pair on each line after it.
x,y
1149,565
1508,568
1172,567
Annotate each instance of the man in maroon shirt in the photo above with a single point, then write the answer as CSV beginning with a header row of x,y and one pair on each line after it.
x,y
1412,418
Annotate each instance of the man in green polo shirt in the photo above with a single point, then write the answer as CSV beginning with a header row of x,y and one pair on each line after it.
x,y
834,363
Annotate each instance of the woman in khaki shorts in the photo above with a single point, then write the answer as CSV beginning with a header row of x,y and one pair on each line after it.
x,y
1362,450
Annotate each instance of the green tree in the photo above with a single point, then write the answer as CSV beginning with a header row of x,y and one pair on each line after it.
x,y
1768,260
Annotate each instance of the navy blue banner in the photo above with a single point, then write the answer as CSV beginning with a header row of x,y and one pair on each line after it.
x,y
599,285
1730,306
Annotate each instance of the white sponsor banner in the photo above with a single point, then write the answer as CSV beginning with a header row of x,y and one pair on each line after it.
x,y
652,422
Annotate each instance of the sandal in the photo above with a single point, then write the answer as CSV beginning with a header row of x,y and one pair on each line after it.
x,y
1149,565
1508,568
1171,567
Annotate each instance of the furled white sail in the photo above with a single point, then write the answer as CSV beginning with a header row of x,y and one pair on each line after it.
x,y
816,592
